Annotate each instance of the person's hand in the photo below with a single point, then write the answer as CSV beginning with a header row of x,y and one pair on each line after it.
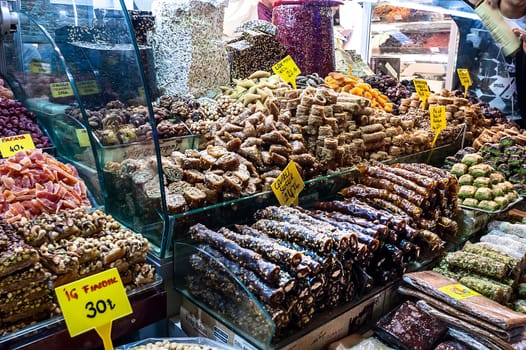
x,y
521,34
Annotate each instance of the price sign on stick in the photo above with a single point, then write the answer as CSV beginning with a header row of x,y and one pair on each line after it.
x,y
11,145
287,70
437,117
422,90
288,185
93,303
465,79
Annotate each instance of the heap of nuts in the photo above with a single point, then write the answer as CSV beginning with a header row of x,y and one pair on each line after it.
x,y
117,124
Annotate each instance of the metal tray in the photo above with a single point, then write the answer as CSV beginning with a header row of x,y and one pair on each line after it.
x,y
511,205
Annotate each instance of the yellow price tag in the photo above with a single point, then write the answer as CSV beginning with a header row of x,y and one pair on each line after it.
x,y
40,67
93,303
465,79
62,89
88,87
82,137
11,145
458,291
288,185
287,70
422,90
437,116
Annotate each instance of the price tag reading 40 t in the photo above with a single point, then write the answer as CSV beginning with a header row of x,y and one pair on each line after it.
x,y
288,185
287,70
11,145
465,79
93,303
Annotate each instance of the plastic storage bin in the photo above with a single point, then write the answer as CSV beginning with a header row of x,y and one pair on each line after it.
x,y
305,29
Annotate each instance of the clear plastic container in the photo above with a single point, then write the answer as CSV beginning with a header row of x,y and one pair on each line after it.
x,y
305,28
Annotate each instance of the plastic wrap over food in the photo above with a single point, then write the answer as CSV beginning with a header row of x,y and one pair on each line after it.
x,y
189,53
508,227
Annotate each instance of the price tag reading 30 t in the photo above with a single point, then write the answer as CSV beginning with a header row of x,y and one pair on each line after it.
x,y
287,70
93,302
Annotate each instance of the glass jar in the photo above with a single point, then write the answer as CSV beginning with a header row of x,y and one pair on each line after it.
x,y
305,28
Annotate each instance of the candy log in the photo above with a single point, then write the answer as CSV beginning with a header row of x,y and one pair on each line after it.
x,y
386,172
347,225
365,193
316,262
402,191
271,295
266,247
279,315
480,265
398,170
246,257
431,239
296,233
356,208
382,229
409,248
499,292
479,249
342,240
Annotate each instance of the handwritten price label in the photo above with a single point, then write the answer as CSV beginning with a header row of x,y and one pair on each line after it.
x,y
288,185
9,146
82,137
465,79
287,70
422,90
438,121
62,89
88,87
93,303
40,67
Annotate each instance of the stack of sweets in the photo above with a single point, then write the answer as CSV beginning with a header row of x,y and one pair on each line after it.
x,y
25,296
77,243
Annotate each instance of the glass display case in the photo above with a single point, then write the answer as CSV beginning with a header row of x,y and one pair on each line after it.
x,y
88,77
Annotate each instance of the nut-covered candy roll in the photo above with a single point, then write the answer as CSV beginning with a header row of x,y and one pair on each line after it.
x,y
266,247
271,295
246,257
314,265
296,233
